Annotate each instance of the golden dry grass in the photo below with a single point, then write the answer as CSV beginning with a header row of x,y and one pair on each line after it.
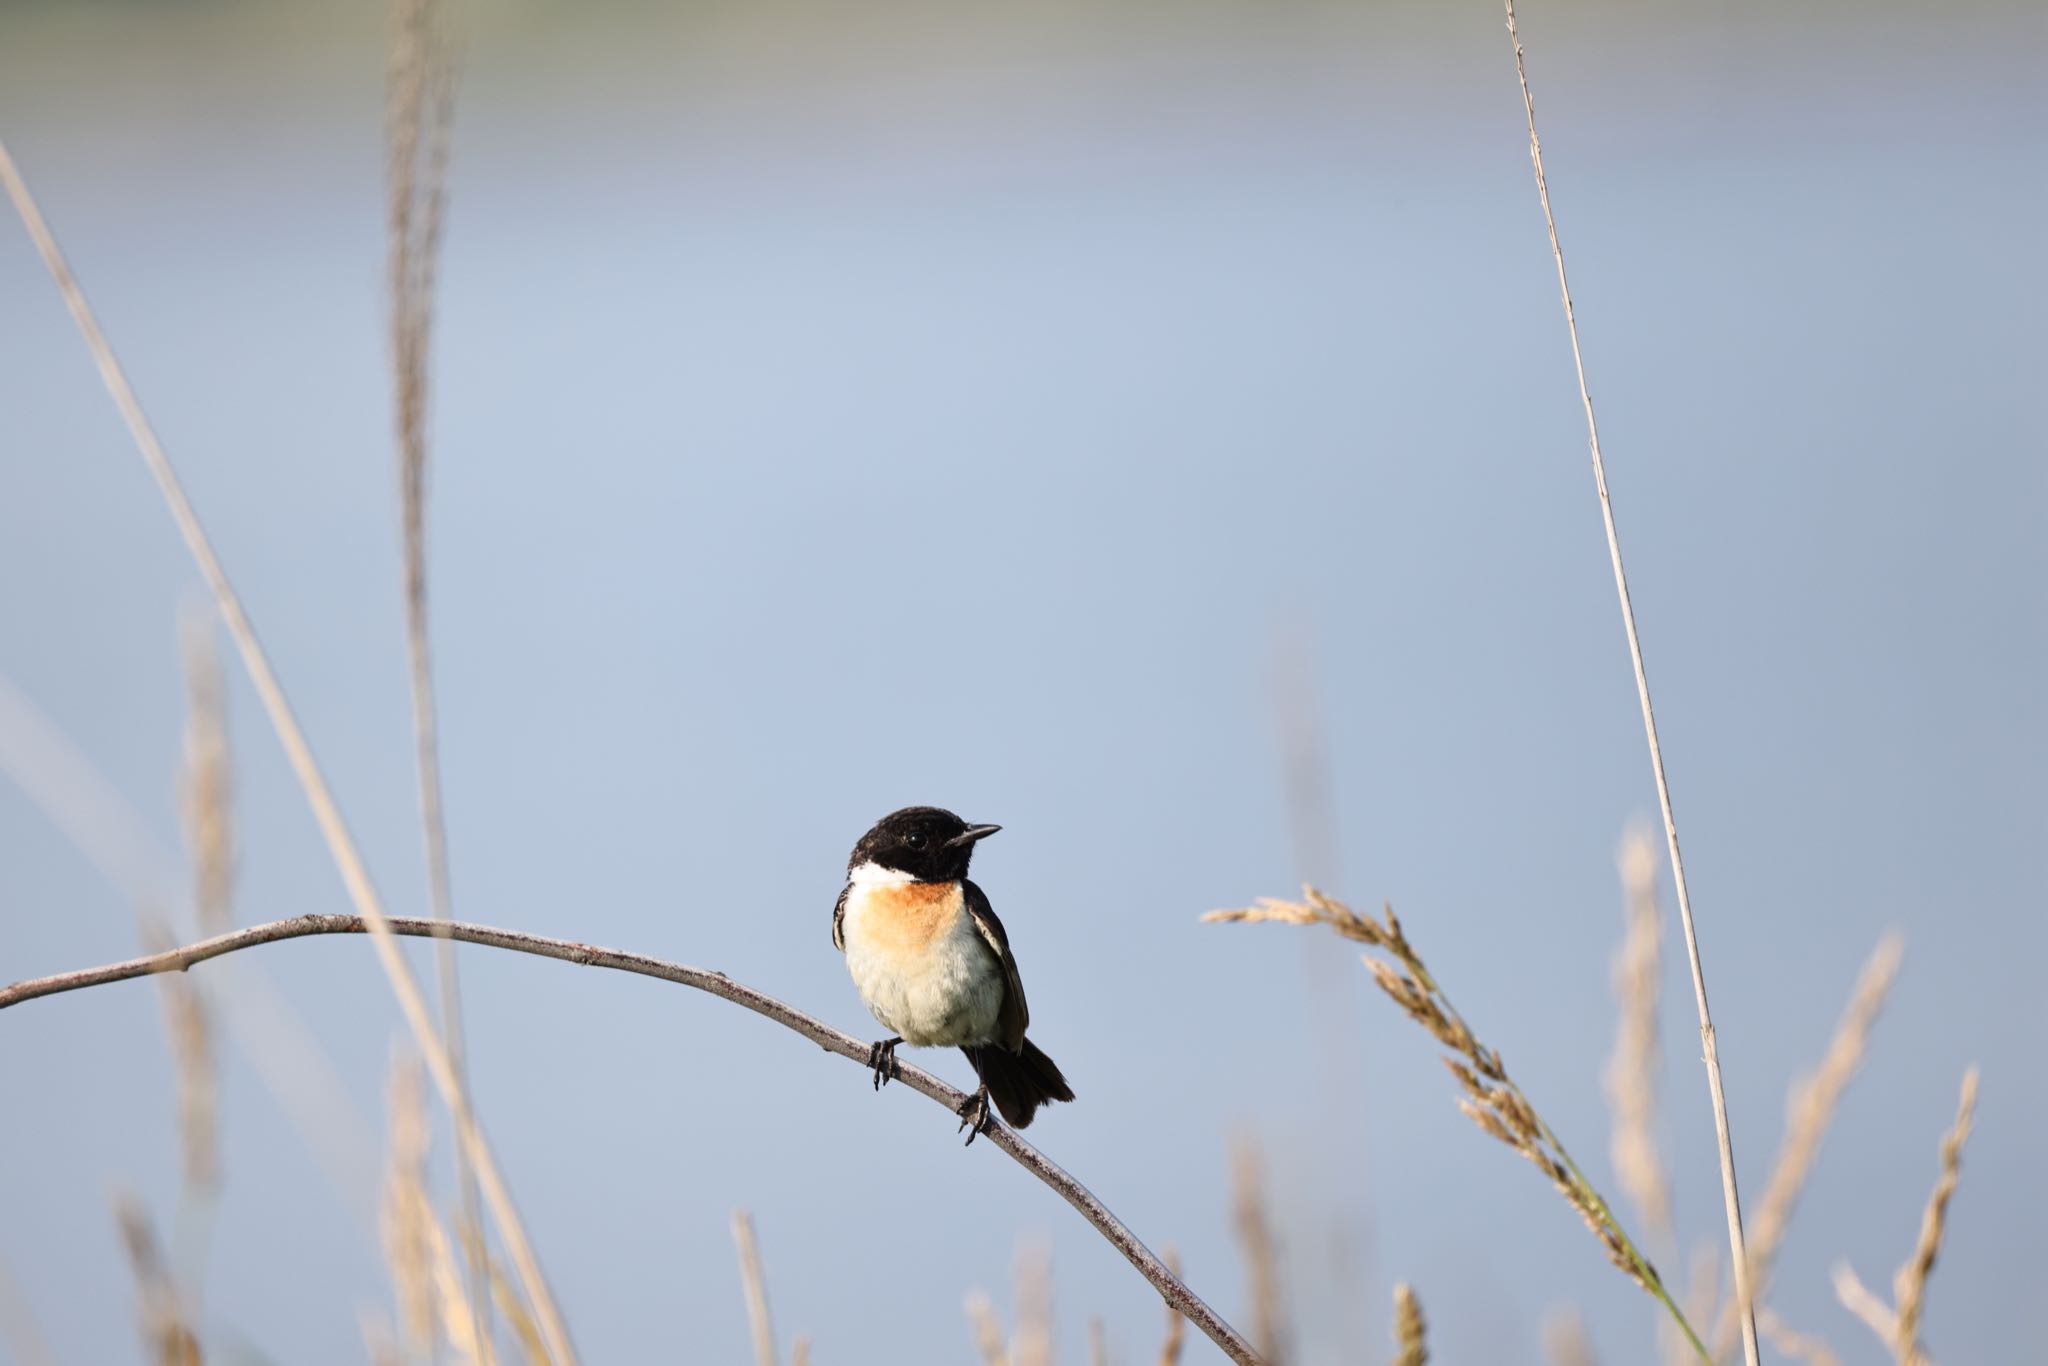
x,y
1632,1071
1258,1243
1809,1109
1411,1330
168,1338
1565,1342
1491,1097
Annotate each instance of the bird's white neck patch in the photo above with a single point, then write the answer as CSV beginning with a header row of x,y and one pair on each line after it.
x,y
875,875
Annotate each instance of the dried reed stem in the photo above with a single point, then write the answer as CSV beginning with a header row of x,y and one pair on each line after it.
x,y
433,1304
188,1026
1005,1139
408,1212
206,782
1410,1329
419,89
1731,1197
1176,1323
1797,1345
988,1330
20,1334
1031,1344
1909,1286
1631,1079
167,1336
1492,1099
1251,1215
341,844
1565,1342
1098,1342
754,1284
1865,1303
1809,1110
1899,1327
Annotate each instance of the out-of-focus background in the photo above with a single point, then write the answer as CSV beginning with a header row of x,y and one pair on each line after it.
x,y
1043,412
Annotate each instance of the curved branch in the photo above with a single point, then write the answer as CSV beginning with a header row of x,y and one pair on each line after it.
x,y
1170,1286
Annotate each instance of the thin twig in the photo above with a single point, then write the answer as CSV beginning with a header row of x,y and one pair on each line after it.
x,y
355,873
419,90
1170,1286
1730,1196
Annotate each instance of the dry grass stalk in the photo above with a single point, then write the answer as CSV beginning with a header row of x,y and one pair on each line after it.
x,y
380,1344
800,1352
1865,1303
1176,1326
1797,1345
167,1335
1492,1099
1909,1286
1252,1215
1809,1109
1410,1329
1031,1344
20,1335
755,1286
1632,1071
1098,1343
1731,1197
434,1306
1702,1293
408,1212
207,781
420,86
988,1330
1899,1327
347,855
1565,1342
188,1028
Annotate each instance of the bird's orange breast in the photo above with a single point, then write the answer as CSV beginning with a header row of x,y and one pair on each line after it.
x,y
910,918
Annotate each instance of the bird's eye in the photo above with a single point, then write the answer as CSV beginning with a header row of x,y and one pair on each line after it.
x,y
915,839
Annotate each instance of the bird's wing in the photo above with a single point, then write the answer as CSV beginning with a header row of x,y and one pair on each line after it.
x,y
1014,1015
839,919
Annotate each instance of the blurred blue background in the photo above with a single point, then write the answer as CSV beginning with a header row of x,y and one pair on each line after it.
x,y
838,408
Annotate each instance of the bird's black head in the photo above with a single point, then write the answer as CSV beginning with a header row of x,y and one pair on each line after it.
x,y
924,842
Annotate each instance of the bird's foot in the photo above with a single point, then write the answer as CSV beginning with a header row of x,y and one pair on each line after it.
x,y
975,1115
882,1061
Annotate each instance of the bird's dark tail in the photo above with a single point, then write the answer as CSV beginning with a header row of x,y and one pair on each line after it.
x,y
1019,1082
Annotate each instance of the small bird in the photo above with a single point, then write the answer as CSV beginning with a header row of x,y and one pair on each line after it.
x,y
933,964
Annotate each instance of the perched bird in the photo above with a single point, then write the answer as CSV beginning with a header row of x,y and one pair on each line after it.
x,y
933,964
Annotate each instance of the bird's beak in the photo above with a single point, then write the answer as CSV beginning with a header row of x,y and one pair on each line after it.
x,y
971,834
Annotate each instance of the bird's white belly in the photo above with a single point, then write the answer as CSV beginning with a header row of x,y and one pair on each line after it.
x,y
927,975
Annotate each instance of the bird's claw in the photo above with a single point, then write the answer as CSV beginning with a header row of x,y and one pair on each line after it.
x,y
974,1115
882,1061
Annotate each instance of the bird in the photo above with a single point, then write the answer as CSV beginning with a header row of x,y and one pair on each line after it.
x,y
933,964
